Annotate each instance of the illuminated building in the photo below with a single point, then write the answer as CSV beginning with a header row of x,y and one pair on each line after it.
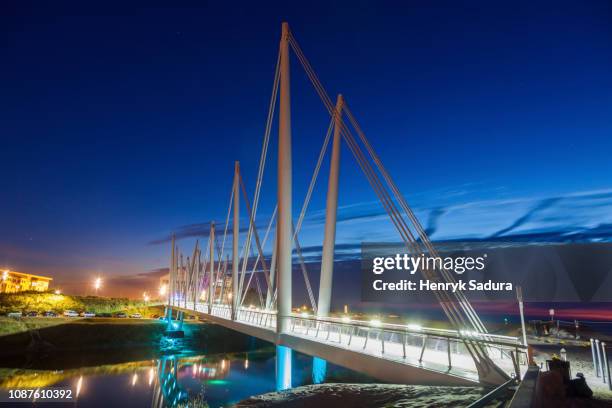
x,y
12,282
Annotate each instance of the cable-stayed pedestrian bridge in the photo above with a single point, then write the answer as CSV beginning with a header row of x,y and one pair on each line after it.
x,y
215,285
389,352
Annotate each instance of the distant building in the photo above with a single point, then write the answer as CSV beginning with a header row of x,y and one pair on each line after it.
x,y
20,282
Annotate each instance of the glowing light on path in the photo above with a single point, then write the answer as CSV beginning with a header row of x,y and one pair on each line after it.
x,y
79,385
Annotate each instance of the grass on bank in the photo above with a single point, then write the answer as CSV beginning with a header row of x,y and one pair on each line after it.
x,y
41,302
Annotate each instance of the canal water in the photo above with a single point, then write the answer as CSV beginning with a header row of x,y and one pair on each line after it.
x,y
176,375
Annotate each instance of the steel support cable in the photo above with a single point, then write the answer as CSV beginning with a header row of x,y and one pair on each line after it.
x,y
257,286
451,314
265,240
210,262
391,183
229,210
302,215
242,255
463,301
298,250
383,195
190,266
272,291
259,254
254,229
219,261
182,269
382,199
259,292
192,274
313,180
189,278
223,275
262,161
328,104
464,304
395,217
217,273
444,298
196,272
175,274
399,198
204,267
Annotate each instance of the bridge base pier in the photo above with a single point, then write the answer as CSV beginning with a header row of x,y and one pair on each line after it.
x,y
283,367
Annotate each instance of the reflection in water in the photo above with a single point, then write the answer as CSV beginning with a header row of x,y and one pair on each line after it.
x,y
175,380
283,368
167,382
319,370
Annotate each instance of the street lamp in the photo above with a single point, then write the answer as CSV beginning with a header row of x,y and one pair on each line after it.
x,y
97,284
58,292
163,289
145,297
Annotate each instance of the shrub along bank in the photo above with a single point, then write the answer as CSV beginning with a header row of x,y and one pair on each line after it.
x,y
48,301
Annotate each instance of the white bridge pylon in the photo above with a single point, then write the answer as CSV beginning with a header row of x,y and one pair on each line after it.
x,y
398,353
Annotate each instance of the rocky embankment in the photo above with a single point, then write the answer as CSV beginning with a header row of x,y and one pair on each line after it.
x,y
366,396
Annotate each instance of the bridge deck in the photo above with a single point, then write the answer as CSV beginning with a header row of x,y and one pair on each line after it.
x,y
393,353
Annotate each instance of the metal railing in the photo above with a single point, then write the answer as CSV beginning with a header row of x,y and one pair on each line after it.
x,y
434,348
438,349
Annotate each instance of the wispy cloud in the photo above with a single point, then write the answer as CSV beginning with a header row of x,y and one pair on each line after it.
x,y
197,230
583,216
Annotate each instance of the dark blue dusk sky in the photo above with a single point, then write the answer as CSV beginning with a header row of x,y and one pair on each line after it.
x,y
120,124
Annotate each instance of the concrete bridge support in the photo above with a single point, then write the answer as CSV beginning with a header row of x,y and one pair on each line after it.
x,y
235,235
319,366
211,279
285,222
329,239
283,368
